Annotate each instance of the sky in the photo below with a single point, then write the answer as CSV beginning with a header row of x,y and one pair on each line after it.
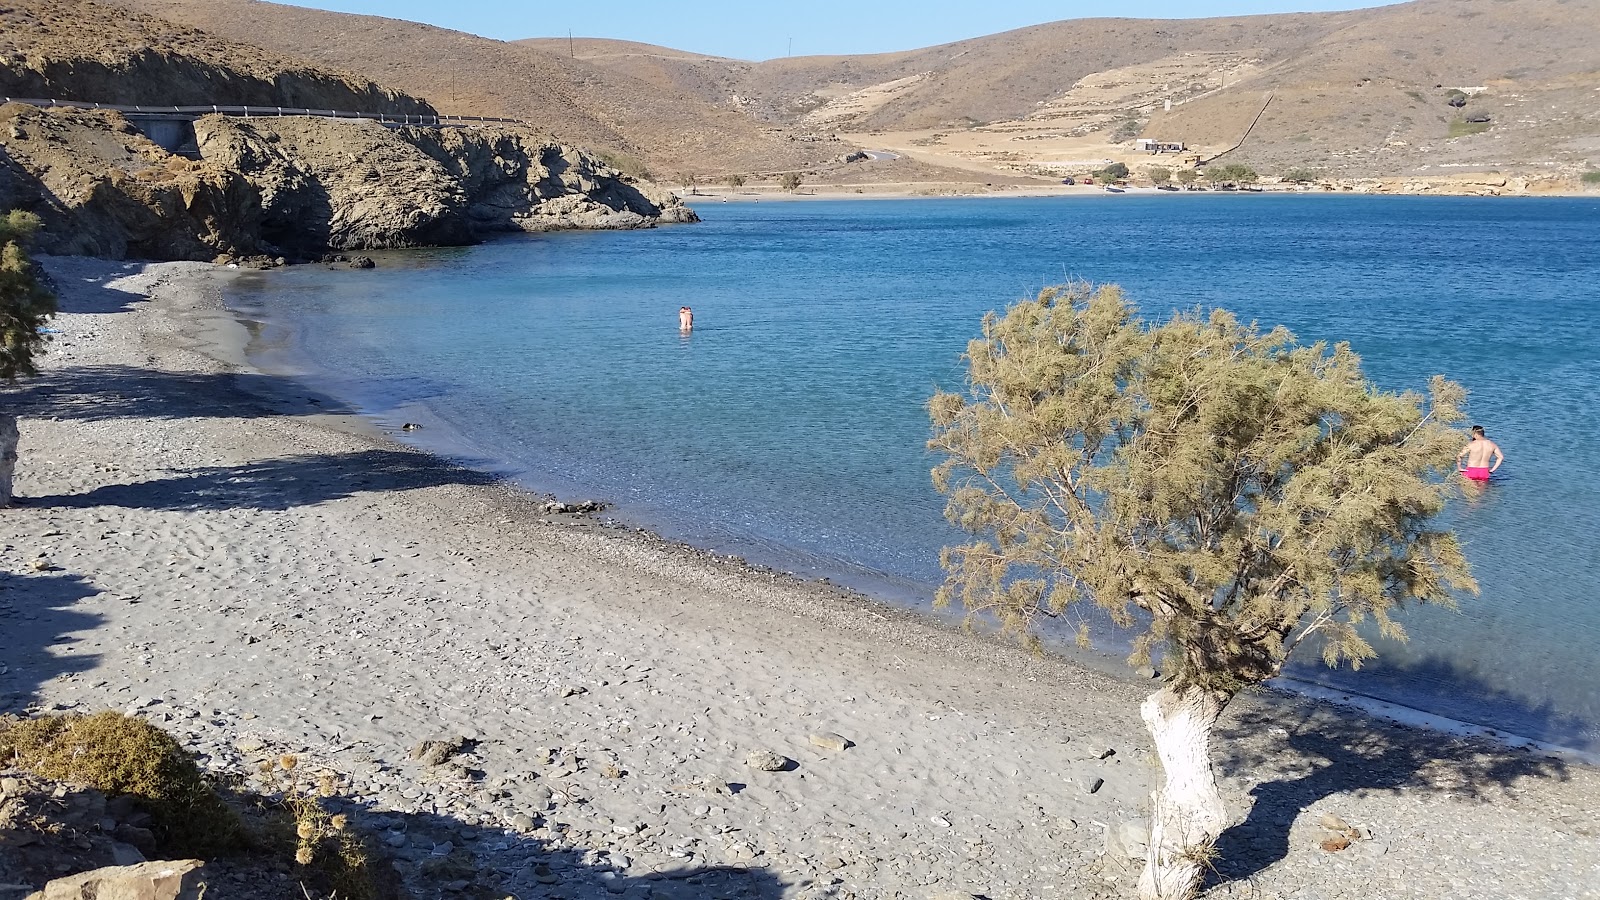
x,y
763,30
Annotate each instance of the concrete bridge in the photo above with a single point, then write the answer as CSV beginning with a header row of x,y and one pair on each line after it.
x,y
172,127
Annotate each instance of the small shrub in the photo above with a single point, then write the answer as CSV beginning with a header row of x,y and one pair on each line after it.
x,y
734,181
1126,130
1114,172
1186,176
1160,174
790,181
1456,97
1300,176
1591,177
115,754
1463,128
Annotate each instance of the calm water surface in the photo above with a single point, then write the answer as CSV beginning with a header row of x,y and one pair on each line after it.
x,y
790,426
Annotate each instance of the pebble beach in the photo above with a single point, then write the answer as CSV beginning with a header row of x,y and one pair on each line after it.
x,y
525,704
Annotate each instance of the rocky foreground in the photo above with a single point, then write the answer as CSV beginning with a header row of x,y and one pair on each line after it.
x,y
517,703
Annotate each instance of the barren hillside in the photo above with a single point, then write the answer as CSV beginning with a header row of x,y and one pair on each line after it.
x,y
637,123
1354,93
77,50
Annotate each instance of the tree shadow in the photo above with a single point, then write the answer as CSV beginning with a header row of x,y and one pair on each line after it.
x,y
99,393
1333,749
109,299
277,484
445,856
37,618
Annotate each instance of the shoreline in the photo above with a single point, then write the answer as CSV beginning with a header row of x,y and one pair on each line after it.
x,y
978,192
163,476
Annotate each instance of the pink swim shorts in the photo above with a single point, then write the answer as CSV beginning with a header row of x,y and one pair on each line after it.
x,y
1477,473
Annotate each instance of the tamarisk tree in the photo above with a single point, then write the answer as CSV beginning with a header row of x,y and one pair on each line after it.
x,y
1226,494
24,307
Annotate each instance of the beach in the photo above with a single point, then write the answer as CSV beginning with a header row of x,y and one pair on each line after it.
x,y
239,560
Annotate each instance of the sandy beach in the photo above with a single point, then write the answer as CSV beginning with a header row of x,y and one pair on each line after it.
x,y
255,569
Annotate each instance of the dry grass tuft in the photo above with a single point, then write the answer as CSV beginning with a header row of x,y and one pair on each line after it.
x,y
115,754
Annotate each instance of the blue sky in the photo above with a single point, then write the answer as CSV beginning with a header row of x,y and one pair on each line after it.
x,y
757,30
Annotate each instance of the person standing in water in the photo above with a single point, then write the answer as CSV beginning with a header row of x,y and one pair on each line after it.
x,y
1481,455
685,319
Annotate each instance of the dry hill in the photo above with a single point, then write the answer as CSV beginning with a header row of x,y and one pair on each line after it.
x,y
635,122
76,50
1355,93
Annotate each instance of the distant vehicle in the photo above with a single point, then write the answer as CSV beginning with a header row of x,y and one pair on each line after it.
x,y
1113,189
1166,187
1068,181
1088,180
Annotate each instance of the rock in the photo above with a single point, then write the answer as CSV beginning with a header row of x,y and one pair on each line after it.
x,y
362,262
433,753
125,854
523,822
1336,843
1128,840
265,190
767,761
1334,823
827,740
167,880
1093,785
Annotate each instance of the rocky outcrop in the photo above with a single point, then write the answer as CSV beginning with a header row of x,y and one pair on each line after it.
x,y
299,187
103,189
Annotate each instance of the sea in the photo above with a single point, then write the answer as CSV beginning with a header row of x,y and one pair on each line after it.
x,y
789,427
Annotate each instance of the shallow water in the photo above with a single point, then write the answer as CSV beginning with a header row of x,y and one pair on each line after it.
x,y
790,426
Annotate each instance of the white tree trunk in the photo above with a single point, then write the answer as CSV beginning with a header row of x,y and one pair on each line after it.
x,y
8,455
1186,813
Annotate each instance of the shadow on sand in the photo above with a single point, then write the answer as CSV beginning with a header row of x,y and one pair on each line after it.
x,y
277,484
444,856
37,621
103,393
1335,749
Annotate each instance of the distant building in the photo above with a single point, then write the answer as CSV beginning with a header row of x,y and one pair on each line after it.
x,y
1151,145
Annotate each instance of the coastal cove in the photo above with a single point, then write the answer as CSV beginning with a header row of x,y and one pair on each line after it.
x,y
788,428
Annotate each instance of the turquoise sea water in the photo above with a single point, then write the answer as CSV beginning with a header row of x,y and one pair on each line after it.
x,y
790,426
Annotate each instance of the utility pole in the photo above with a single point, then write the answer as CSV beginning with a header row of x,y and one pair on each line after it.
x,y
571,53
791,48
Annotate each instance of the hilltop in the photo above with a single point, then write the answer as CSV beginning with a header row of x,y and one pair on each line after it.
x,y
639,125
78,50
1361,93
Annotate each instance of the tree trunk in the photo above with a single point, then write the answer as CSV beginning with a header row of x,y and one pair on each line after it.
x,y
1186,813
8,455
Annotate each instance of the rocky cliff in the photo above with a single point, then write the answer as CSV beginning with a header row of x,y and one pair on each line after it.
x,y
296,187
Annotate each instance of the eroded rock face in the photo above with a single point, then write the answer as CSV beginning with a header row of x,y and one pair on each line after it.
x,y
301,186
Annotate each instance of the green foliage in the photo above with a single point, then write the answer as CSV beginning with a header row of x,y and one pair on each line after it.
x,y
1232,173
1114,172
1126,130
1456,97
1244,492
789,181
1160,174
1590,177
1186,176
1300,176
24,303
116,754
1463,128
734,181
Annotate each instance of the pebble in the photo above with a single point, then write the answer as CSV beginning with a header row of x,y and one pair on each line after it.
x,y
767,761
828,740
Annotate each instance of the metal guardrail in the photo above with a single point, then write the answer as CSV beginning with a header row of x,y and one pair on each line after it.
x,y
269,112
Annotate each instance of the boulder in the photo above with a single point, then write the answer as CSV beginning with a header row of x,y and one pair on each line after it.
x,y
165,880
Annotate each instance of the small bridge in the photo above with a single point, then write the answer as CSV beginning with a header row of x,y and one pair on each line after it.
x,y
172,127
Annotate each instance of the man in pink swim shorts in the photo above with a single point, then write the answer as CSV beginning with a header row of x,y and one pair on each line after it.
x,y
1481,455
